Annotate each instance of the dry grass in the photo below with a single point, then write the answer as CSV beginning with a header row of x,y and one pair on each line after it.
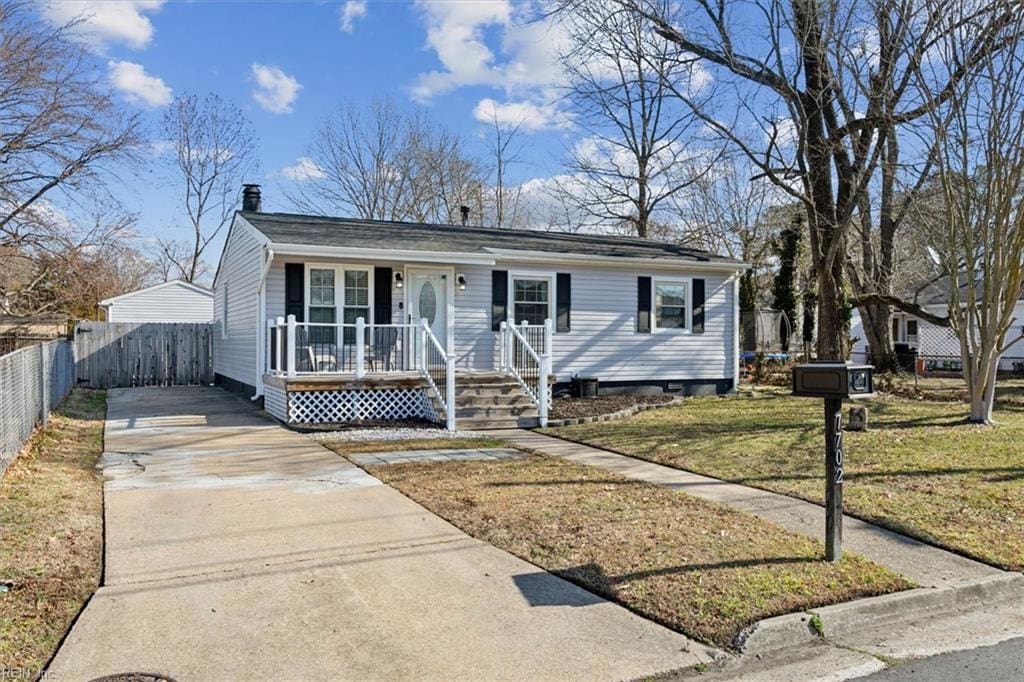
x,y
354,447
697,567
51,512
920,470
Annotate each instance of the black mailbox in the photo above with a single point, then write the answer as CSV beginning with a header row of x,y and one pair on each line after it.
x,y
833,380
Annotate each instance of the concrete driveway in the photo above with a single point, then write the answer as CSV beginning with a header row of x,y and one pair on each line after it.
x,y
236,549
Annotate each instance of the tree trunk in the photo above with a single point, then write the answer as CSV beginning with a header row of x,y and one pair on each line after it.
x,y
981,387
833,319
878,330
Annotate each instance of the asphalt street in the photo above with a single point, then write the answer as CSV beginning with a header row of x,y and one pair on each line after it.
x,y
994,663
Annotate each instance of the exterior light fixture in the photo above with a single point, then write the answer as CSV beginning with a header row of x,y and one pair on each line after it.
x,y
399,280
460,279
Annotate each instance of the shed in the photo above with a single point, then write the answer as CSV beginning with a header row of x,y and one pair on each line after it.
x,y
174,301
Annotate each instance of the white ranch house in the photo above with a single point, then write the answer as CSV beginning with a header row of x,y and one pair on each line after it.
x,y
938,348
337,320
173,301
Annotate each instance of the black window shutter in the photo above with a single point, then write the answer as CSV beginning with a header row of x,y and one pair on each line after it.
x,y
295,290
698,306
643,305
563,303
382,295
499,298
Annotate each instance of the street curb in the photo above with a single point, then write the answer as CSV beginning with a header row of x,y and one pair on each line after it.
x,y
880,613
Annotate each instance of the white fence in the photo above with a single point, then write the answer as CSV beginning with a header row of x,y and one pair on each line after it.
x,y
32,381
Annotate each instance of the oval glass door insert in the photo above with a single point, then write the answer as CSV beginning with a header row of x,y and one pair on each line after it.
x,y
428,302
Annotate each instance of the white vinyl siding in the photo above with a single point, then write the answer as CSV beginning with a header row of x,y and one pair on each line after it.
x,y
176,302
237,288
603,341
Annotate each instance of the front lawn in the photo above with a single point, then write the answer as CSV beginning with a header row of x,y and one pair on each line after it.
x,y
920,470
51,516
694,566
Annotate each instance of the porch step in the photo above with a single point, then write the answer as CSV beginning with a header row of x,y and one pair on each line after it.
x,y
495,411
479,378
488,399
481,423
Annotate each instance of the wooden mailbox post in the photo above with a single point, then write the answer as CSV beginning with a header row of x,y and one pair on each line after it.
x,y
833,381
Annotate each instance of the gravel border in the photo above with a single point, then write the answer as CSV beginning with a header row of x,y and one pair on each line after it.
x,y
619,414
389,434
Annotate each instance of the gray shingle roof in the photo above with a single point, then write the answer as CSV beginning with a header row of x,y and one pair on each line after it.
x,y
286,228
937,291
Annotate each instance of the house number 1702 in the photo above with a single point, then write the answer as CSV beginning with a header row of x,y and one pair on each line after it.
x,y
838,448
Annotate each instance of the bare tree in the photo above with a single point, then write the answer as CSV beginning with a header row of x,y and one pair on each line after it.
x,y
214,152
61,136
385,163
979,128
505,151
825,139
639,151
70,274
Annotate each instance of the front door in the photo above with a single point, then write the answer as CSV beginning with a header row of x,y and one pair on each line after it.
x,y
428,299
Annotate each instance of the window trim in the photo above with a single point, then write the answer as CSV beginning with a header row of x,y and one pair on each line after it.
x,y
339,291
655,328
546,275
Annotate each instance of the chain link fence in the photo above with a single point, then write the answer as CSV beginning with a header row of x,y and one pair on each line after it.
x,y
33,380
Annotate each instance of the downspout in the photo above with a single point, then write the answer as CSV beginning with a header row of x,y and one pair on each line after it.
x,y
261,331
735,333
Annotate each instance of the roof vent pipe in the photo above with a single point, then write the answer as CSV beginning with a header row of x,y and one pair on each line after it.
x,y
465,215
251,200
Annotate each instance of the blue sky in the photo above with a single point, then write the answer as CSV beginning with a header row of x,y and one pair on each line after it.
x,y
457,59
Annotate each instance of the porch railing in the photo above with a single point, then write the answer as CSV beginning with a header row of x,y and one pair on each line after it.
x,y
317,348
438,367
332,348
525,354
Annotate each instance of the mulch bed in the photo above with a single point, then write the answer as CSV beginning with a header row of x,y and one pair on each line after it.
x,y
573,408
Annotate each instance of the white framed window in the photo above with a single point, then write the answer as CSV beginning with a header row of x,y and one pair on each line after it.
x,y
532,298
672,306
912,332
338,293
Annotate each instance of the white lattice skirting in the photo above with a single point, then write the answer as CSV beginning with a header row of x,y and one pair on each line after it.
x,y
384,404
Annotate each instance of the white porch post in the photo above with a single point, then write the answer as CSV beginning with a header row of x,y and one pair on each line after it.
x,y
424,326
449,389
279,351
290,359
503,347
545,372
360,348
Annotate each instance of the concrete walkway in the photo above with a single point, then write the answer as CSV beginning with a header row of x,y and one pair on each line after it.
x,y
236,549
926,565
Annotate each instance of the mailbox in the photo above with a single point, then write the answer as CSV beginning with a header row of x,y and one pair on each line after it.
x,y
833,380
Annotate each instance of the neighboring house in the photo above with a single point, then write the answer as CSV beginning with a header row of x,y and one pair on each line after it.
x,y
938,347
174,301
433,305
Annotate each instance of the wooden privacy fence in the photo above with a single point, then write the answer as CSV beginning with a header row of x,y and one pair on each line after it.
x,y
124,354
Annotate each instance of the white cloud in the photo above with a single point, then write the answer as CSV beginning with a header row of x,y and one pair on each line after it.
x,y
138,86
458,34
350,12
783,130
275,90
104,22
303,169
529,116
